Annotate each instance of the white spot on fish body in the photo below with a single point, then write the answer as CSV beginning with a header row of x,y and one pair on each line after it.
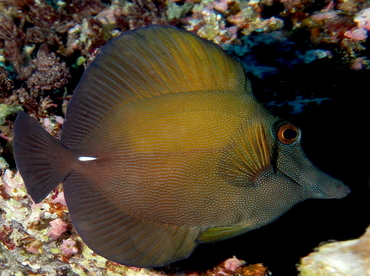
x,y
86,158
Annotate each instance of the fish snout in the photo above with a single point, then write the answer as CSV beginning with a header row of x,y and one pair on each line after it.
x,y
341,189
333,189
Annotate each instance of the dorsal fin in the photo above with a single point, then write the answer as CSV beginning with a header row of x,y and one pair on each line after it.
x,y
145,63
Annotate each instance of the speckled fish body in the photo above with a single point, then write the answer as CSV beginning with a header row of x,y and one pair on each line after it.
x,y
164,147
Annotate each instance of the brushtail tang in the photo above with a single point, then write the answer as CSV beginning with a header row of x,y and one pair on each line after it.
x,y
164,147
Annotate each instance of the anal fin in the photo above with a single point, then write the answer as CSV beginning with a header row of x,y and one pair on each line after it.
x,y
120,237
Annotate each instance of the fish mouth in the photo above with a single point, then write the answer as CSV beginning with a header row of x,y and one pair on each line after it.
x,y
341,189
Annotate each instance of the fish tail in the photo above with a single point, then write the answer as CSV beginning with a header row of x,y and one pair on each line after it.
x,y
42,161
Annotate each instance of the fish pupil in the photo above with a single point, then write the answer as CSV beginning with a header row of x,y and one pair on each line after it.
x,y
290,134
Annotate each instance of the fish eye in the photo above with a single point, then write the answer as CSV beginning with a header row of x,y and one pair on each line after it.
x,y
287,134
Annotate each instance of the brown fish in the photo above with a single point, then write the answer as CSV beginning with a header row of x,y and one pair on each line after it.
x,y
165,147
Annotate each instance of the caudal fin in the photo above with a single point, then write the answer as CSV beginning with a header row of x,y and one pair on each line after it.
x,y
41,160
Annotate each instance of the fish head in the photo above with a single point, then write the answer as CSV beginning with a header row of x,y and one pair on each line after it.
x,y
289,166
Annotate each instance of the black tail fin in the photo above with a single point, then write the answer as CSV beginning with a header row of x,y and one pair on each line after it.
x,y
41,160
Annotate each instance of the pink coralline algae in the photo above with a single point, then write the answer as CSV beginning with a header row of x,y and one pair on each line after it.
x,y
13,184
363,19
356,34
60,199
69,247
233,263
236,267
57,228
363,26
222,5
358,64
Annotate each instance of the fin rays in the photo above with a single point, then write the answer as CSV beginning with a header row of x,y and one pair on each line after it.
x,y
247,152
163,69
35,150
120,237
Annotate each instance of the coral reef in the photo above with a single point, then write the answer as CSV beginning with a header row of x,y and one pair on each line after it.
x,y
319,23
339,258
40,40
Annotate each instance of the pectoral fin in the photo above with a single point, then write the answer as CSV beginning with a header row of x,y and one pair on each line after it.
x,y
222,233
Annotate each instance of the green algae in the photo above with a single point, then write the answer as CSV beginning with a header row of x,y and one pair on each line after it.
x,y
6,110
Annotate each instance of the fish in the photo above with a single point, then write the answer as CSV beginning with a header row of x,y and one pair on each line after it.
x,y
164,147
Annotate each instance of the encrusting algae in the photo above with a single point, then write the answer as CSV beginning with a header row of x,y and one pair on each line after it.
x,y
343,258
165,147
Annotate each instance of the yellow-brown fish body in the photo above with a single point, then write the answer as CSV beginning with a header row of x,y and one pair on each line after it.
x,y
165,147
